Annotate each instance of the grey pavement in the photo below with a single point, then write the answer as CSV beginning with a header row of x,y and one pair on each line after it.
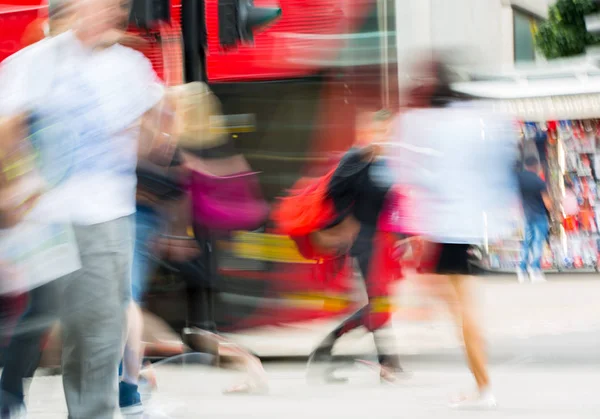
x,y
545,356
510,312
523,391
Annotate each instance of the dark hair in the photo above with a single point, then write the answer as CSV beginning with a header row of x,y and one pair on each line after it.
x,y
445,75
531,161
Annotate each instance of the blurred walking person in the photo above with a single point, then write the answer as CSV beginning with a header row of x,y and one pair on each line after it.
x,y
35,254
94,92
162,204
43,293
457,161
536,207
352,199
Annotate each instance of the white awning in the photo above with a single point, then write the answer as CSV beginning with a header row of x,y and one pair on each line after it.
x,y
551,108
541,95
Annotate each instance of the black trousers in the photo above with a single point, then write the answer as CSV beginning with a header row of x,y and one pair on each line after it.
x,y
23,353
362,251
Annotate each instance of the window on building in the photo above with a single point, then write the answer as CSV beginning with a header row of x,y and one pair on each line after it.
x,y
525,26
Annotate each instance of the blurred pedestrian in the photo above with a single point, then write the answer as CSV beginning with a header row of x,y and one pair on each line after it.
x,y
34,253
225,196
536,207
160,190
356,192
23,352
95,93
458,163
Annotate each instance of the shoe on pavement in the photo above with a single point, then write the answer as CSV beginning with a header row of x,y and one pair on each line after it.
x,y
323,352
320,363
538,277
130,400
522,276
147,381
481,401
391,370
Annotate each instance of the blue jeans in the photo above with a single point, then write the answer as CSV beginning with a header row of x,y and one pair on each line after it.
x,y
536,232
147,223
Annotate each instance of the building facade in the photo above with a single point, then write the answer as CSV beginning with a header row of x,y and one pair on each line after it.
x,y
497,33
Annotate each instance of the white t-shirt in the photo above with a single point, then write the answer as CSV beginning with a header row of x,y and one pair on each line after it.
x,y
458,165
90,103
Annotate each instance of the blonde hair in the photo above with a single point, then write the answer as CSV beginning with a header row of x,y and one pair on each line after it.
x,y
196,109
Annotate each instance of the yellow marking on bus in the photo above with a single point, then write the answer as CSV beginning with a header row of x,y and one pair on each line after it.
x,y
238,130
285,158
327,303
381,305
267,248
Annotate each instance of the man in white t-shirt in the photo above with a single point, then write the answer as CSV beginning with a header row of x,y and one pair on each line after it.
x,y
93,97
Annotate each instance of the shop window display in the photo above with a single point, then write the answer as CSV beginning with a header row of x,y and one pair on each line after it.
x,y
570,155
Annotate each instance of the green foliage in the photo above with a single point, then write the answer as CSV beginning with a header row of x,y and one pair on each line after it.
x,y
564,33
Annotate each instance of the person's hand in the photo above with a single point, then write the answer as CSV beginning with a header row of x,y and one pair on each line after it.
x,y
13,130
159,140
12,213
338,238
409,248
401,248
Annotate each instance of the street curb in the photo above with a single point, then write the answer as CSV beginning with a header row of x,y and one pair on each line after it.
x,y
458,358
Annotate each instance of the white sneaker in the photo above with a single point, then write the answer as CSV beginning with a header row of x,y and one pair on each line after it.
x,y
522,276
482,401
538,277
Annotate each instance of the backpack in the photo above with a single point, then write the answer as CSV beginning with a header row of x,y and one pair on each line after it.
x,y
306,209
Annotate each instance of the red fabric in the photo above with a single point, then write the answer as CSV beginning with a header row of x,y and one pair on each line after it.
x,y
429,258
306,209
305,247
385,270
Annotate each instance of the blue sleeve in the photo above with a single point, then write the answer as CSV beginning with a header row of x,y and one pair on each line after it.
x,y
541,185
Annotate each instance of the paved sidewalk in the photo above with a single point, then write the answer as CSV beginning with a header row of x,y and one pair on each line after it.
x,y
523,392
509,310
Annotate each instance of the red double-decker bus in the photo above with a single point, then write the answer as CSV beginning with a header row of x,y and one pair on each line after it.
x,y
297,89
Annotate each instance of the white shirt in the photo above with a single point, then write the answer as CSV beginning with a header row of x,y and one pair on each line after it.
x,y
90,103
458,164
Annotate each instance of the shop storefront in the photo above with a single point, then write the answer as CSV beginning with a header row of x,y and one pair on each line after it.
x,y
558,120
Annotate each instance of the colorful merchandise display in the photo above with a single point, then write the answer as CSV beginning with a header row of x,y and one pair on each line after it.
x,y
570,155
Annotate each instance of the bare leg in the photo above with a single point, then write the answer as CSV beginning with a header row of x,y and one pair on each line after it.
x,y
134,348
464,311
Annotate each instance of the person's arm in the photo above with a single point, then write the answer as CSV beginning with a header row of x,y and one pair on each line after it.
x,y
543,188
156,107
13,114
547,201
158,139
12,99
